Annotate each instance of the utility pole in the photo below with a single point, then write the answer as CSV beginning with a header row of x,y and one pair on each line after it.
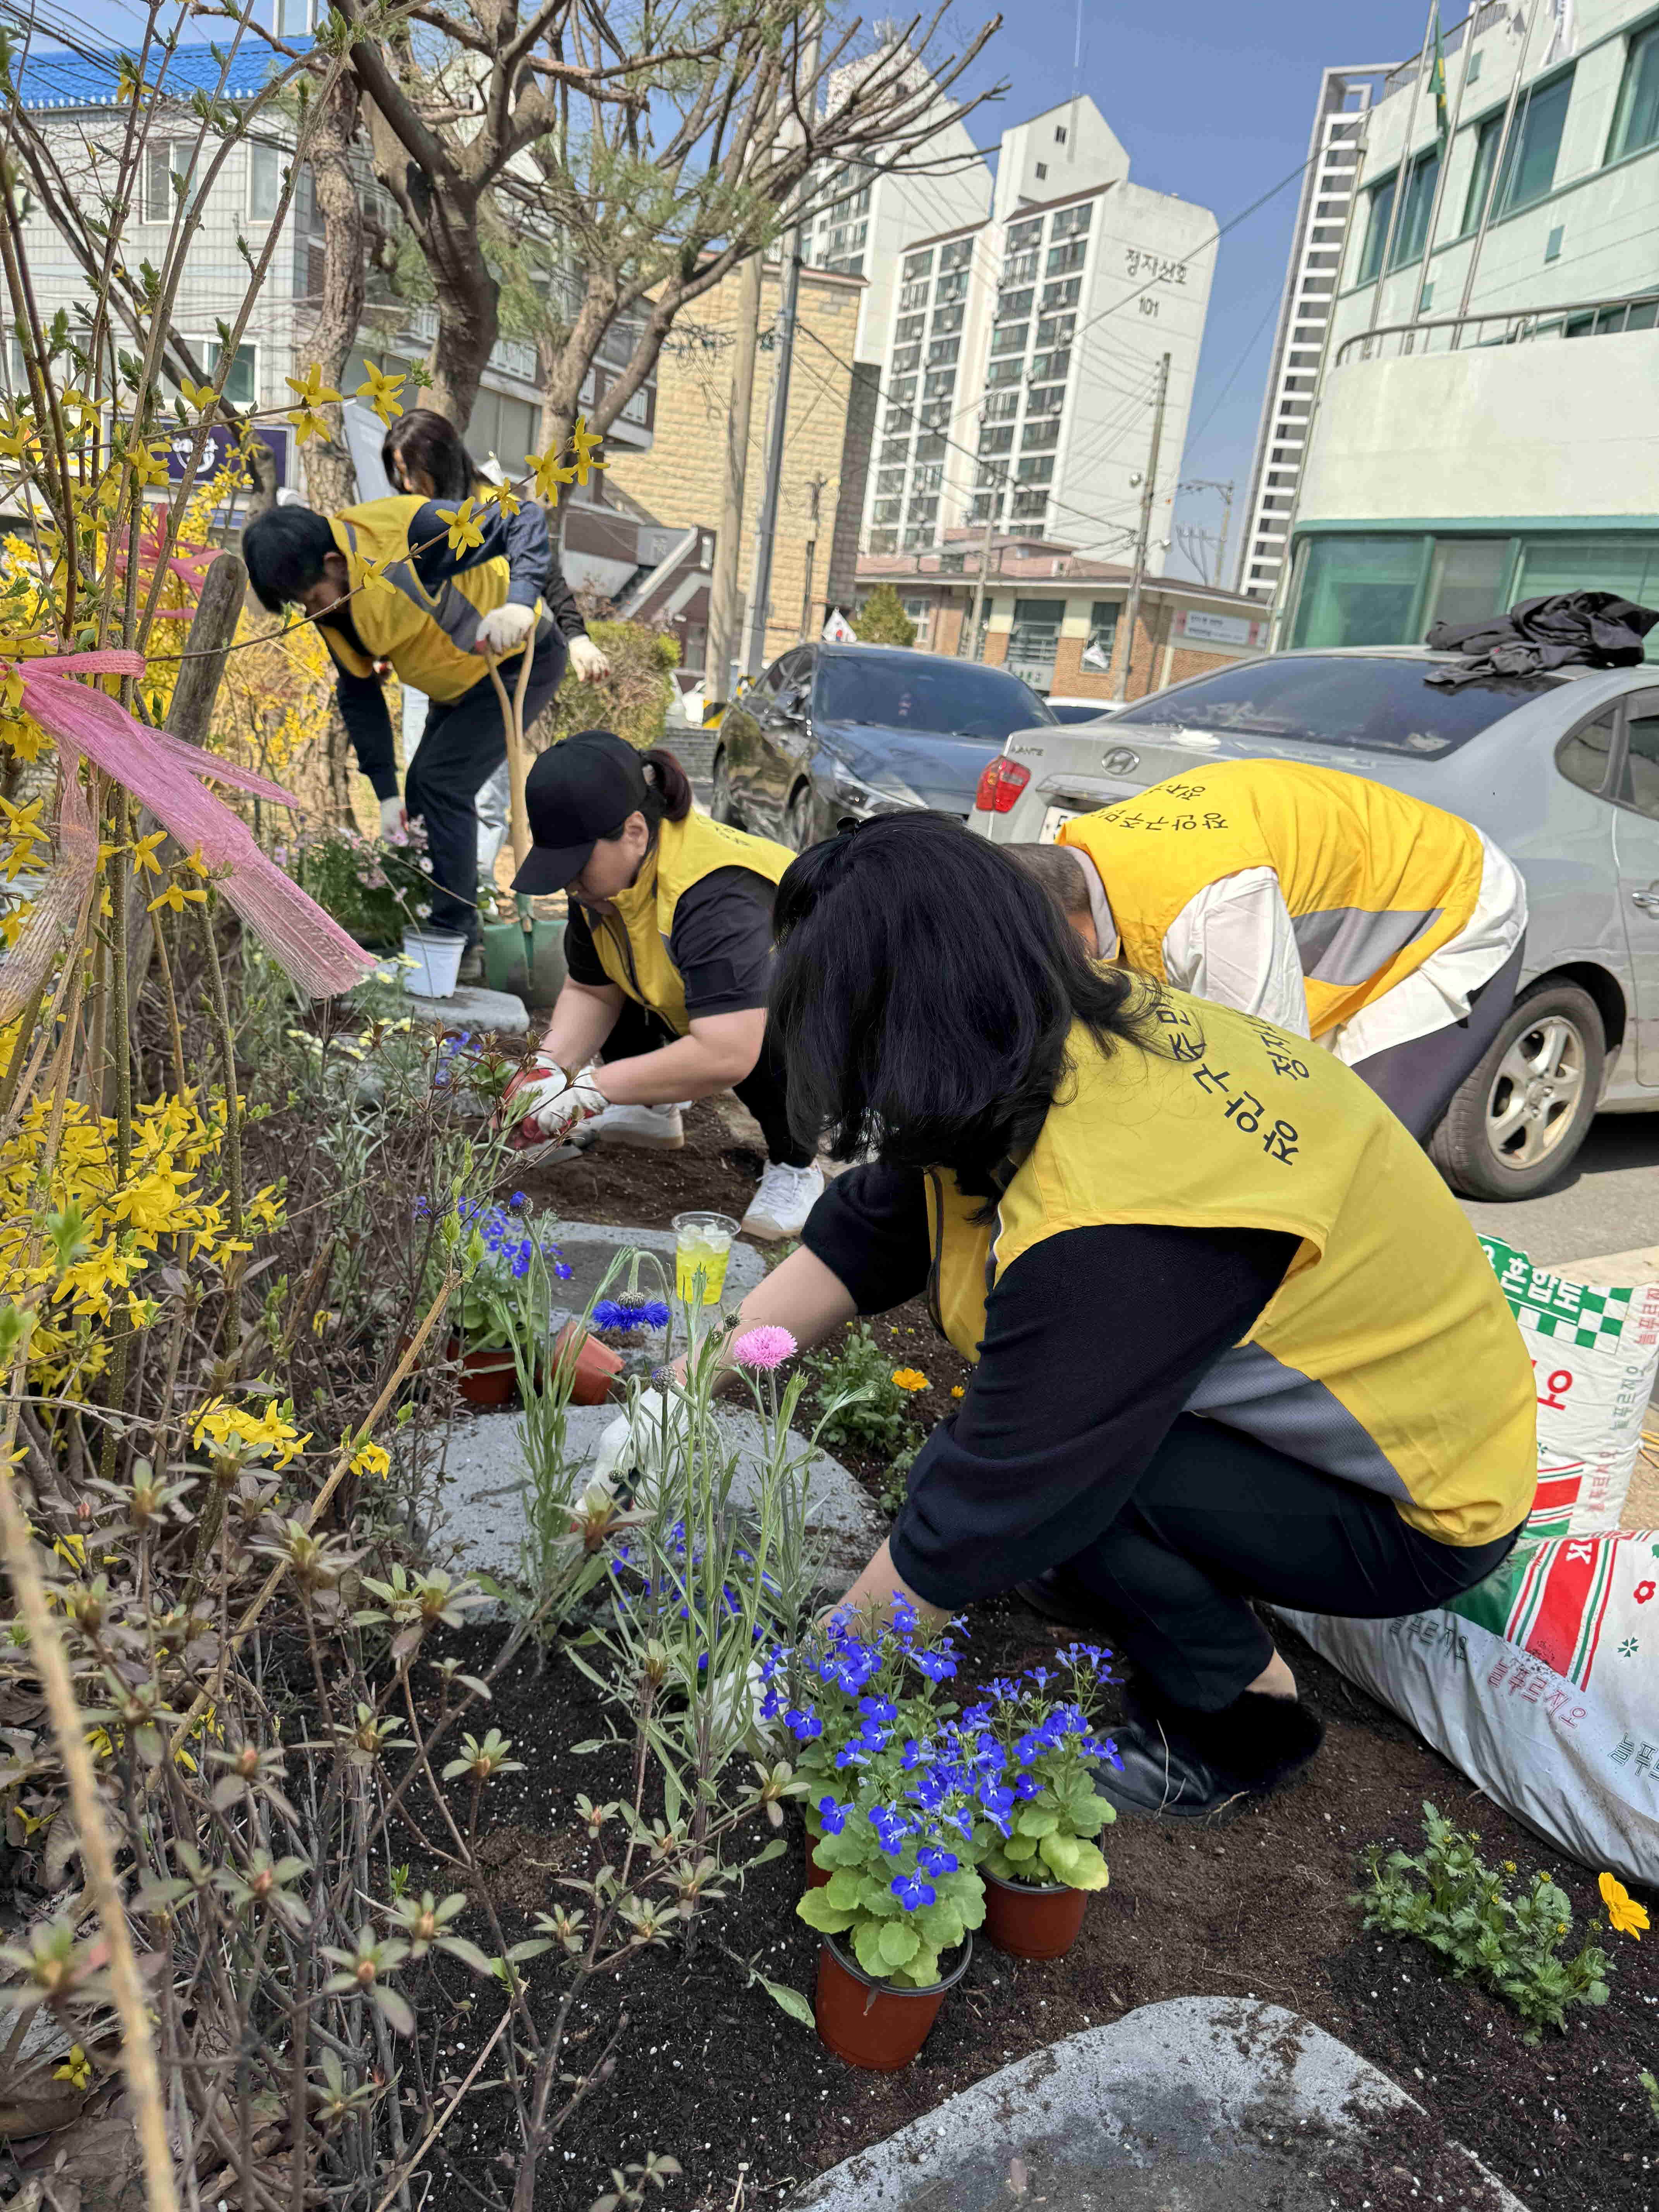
x,y
728,542
815,491
970,636
1144,533
1226,490
766,530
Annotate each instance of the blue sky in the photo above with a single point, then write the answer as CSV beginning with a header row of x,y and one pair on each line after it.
x,y
1214,102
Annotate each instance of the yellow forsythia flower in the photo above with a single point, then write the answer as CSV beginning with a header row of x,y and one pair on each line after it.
x,y
372,1459
76,2069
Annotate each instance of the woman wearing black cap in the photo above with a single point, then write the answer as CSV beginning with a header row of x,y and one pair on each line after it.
x,y
668,953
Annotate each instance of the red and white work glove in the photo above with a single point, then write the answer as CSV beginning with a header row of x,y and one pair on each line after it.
x,y
542,1104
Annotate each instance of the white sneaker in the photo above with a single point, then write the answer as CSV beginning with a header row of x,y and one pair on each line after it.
x,y
652,1128
781,1206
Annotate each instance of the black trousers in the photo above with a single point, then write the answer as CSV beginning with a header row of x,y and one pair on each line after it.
x,y
1419,1078
1219,1519
762,1091
461,747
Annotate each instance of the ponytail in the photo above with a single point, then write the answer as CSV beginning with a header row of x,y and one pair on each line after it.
x,y
669,794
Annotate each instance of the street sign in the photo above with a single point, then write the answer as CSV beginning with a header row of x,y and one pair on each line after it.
x,y
218,451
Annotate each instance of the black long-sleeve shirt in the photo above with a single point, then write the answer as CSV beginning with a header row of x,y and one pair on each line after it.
x,y
1094,1338
720,943
533,574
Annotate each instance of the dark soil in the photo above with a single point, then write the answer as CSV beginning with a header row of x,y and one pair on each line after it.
x,y
710,2069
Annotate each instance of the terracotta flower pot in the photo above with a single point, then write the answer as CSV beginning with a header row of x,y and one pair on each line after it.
x,y
878,2025
597,1365
1031,1920
489,1377
816,1875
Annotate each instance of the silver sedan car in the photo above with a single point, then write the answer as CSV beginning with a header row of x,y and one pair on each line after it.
x,y
1561,770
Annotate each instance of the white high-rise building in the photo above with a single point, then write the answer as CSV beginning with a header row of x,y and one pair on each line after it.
x,y
1013,348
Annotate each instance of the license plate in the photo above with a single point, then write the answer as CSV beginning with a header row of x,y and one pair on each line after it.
x,y
1054,821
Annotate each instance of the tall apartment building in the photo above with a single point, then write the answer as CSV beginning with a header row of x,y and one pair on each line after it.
x,y
1012,350
1482,433
1323,216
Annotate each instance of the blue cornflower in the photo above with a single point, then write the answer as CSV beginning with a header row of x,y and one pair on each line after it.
x,y
803,1725
833,1815
912,1892
933,1861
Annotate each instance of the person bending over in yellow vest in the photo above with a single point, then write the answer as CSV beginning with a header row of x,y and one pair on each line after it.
x,y
384,588
1387,931
669,953
1232,1337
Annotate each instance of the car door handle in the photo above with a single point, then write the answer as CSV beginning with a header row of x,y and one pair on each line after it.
x,y
1648,901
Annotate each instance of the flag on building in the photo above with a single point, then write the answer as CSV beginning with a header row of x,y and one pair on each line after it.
x,y
1437,73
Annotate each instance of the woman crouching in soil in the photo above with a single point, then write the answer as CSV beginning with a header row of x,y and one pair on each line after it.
x,y
1233,1338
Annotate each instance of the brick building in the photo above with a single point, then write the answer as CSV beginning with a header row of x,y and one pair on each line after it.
x,y
1057,618
680,479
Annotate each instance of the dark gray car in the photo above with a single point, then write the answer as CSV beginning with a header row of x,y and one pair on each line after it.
x,y
834,731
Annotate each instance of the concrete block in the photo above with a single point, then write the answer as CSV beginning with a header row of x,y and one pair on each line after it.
x,y
481,1510
1197,2105
470,1007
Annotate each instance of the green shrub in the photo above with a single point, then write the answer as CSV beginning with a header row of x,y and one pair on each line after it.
x,y
633,699
882,619
879,1420
1464,1910
375,891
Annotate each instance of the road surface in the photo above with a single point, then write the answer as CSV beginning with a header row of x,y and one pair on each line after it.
x,y
1608,1200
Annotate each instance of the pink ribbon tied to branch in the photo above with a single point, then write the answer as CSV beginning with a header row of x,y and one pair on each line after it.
x,y
169,777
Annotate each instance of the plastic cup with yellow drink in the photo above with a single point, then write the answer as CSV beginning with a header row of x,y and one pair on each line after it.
x,y
702,1246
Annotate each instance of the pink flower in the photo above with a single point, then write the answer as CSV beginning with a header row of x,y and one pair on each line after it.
x,y
764,1348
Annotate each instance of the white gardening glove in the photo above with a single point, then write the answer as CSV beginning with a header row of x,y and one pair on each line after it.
x,y
589,663
633,1444
504,629
541,1105
394,823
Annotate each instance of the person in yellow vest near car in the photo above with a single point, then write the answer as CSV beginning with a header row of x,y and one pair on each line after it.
x,y
387,588
668,956
1387,931
1231,1336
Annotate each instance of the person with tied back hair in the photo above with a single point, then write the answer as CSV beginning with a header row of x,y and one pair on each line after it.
x,y
1232,1338
668,951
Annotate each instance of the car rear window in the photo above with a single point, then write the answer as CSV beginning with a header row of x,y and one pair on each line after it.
x,y
943,697
1378,705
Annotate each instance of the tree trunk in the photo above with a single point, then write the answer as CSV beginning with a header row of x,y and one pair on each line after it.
x,y
330,475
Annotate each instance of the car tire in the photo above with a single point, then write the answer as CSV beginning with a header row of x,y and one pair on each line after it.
x,y
1484,1147
719,792
798,819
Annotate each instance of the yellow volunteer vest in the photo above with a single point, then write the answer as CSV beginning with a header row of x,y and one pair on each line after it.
x,y
633,945
1388,1356
426,636
1374,881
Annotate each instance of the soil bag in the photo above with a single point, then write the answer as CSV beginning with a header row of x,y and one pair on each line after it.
x,y
1595,1352
1541,1683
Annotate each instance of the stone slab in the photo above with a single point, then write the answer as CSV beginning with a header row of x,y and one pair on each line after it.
x,y
1197,2105
470,1006
589,1248
481,1510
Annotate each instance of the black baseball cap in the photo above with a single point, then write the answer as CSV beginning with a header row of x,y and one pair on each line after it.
x,y
576,793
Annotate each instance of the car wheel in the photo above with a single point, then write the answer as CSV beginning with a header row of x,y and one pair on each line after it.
x,y
1518,1119
798,819
719,792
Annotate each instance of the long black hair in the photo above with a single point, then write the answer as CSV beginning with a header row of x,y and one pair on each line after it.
x,y
424,439
923,994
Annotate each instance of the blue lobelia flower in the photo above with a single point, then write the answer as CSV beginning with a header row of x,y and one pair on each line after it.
x,y
912,1892
891,1828
935,1862
881,1710
803,1725
937,1666
1034,1744
833,1815
1027,1786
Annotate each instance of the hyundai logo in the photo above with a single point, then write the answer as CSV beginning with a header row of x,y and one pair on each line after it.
x,y
1120,761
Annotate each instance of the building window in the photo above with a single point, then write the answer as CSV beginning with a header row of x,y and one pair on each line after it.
x,y
1056,297
987,508
947,318
1034,639
920,612
924,510
957,255
909,327
989,475
1028,505
1021,235
159,199
913,296
1103,636
895,453
905,358
1073,221
1056,331
1014,306
1358,590
1636,118
1040,435
890,480
928,478
1001,406
241,379
1412,231
939,383
1072,255
1472,74
1038,469
264,182
1530,161
1059,134
1004,373
918,264
1019,268
1010,339
886,510
1046,403
899,416
884,541
1045,366
998,441
930,449
954,286
942,352
1042,171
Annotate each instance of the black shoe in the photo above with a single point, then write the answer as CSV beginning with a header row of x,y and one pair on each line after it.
x,y
1201,1766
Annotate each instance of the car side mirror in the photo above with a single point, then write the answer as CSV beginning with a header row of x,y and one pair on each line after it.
x,y
793,705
